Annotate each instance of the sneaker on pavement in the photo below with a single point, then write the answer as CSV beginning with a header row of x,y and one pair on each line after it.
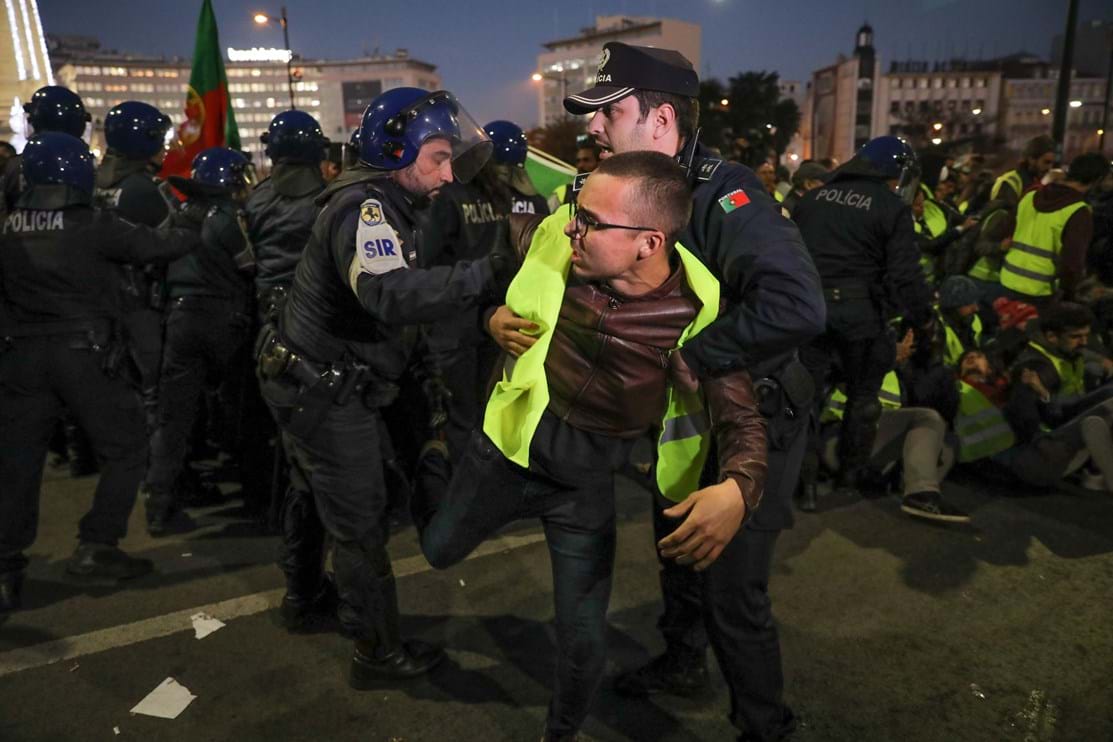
x,y
100,562
664,674
932,506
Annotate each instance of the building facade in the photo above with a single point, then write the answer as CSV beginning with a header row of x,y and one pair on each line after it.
x,y
1028,103
840,107
24,65
335,92
568,65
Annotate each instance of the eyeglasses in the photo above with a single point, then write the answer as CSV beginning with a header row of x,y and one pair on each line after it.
x,y
584,221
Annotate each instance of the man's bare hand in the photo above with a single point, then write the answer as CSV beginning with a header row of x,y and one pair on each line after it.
x,y
904,348
712,516
681,374
509,331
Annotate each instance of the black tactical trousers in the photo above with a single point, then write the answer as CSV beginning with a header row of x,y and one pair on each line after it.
x,y
202,336
144,331
337,488
728,606
38,375
863,364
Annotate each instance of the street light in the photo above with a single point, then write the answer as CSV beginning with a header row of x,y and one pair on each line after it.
x,y
936,141
937,126
263,19
724,102
1046,111
977,112
562,79
1076,104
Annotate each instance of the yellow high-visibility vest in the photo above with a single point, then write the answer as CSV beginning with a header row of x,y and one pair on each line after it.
x,y
981,427
1013,179
1072,374
521,397
1031,265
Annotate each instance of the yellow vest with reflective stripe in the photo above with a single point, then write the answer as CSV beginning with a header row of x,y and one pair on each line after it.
x,y
986,269
1014,180
889,397
927,265
515,407
981,427
934,215
954,347
1032,263
1072,374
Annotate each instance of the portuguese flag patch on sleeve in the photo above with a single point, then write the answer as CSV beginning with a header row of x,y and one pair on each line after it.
x,y
734,200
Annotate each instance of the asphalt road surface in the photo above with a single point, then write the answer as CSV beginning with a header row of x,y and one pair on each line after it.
x,y
891,629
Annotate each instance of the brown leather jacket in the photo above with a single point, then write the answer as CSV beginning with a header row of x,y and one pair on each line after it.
x,y
608,369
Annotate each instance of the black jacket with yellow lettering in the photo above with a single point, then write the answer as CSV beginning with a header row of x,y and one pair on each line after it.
x,y
357,288
59,256
860,234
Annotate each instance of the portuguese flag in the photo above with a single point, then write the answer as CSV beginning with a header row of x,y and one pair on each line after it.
x,y
209,121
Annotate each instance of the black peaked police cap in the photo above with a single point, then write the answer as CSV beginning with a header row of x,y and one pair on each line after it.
x,y
624,68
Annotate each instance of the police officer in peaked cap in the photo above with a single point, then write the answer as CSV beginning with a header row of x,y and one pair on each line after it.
x,y
648,99
339,352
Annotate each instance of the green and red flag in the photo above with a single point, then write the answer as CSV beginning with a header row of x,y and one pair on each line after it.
x,y
209,120
547,172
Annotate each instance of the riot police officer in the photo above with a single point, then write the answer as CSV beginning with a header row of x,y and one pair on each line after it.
x,y
281,209
58,345
464,222
647,98
208,320
51,108
858,227
339,351
127,183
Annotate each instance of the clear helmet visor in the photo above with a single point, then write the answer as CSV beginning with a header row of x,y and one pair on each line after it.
x,y
441,115
908,185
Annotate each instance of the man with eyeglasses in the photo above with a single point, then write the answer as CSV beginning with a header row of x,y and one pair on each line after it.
x,y
610,313
648,99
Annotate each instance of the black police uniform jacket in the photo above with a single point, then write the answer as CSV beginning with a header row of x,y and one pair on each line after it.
x,y
211,271
58,256
355,290
860,235
280,216
774,303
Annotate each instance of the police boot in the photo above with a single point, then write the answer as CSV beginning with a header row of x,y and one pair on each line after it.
x,y
100,562
679,672
11,591
161,509
303,616
311,598
386,658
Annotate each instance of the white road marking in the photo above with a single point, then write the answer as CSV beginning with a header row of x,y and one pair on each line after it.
x,y
47,653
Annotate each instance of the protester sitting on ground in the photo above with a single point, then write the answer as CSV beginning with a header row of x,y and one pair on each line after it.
x,y
910,436
990,399
959,327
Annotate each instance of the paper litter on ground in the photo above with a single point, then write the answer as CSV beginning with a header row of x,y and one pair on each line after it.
x,y
204,624
166,701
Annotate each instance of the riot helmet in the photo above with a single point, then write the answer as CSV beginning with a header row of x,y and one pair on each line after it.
x,y
54,108
894,159
510,145
397,123
54,158
295,136
221,167
136,130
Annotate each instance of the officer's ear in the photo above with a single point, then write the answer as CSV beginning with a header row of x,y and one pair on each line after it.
x,y
663,119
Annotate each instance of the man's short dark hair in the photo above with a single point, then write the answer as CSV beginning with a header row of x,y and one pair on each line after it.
x,y
1088,168
1037,147
687,109
662,199
7,150
1065,316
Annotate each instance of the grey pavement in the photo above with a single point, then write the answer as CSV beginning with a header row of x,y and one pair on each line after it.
x,y
891,629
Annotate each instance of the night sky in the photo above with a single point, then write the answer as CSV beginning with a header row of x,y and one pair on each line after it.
x,y
485,54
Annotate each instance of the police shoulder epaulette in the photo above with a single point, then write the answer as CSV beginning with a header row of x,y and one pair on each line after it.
x,y
705,169
578,182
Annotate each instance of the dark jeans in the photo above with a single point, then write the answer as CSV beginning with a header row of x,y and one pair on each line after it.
x,y
728,606
456,510
863,363
202,337
37,377
337,487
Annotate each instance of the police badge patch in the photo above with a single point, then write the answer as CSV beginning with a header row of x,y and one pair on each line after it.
x,y
371,213
378,247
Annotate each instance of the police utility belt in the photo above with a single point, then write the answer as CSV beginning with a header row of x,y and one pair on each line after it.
x,y
847,293
321,385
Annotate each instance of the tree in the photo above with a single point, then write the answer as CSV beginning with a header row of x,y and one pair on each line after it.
x,y
746,119
558,139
